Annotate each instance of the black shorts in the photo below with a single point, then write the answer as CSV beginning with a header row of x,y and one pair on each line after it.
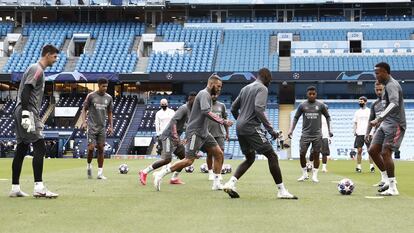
x,y
256,142
325,151
360,141
305,142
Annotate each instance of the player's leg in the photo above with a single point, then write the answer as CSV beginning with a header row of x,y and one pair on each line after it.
x,y
393,139
100,151
358,145
21,152
304,145
91,138
179,151
325,153
217,155
39,151
166,157
375,152
250,156
274,168
209,161
194,143
371,162
316,148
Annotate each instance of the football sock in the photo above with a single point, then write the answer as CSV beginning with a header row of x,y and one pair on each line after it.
x,y
148,169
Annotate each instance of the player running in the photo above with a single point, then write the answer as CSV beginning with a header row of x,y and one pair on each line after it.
x,y
249,110
311,110
198,136
97,107
170,139
29,127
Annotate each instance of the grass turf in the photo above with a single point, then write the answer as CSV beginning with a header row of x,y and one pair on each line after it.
x,y
120,204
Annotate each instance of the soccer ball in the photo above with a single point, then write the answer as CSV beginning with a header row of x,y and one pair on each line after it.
x,y
226,169
204,168
346,186
123,168
309,166
189,169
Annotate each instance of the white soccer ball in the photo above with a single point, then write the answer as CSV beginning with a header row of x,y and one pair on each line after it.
x,y
123,168
204,168
189,169
346,186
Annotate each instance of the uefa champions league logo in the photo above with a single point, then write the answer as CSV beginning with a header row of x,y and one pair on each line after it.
x,y
169,76
296,75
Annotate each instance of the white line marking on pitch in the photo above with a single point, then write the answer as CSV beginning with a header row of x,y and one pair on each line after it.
x,y
3,179
374,197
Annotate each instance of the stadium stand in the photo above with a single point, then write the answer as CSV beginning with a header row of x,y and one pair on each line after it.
x,y
200,50
245,50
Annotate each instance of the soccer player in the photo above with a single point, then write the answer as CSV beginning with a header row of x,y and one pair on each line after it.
x,y
198,136
376,110
392,125
29,126
249,110
171,141
360,120
326,140
311,110
218,131
97,107
162,118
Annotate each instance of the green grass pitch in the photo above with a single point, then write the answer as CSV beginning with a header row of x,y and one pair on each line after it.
x,y
120,204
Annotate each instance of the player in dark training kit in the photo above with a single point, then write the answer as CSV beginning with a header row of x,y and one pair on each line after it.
x,y
198,136
97,107
170,139
392,125
311,110
249,110
29,127
218,131
376,110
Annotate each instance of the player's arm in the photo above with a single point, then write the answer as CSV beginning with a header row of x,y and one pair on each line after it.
x,y
371,118
85,109
179,114
235,107
205,107
393,97
298,113
110,117
157,124
32,80
328,119
225,117
260,110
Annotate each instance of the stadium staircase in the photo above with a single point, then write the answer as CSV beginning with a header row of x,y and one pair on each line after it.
x,y
71,64
21,44
284,64
273,44
132,130
48,112
284,119
142,65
